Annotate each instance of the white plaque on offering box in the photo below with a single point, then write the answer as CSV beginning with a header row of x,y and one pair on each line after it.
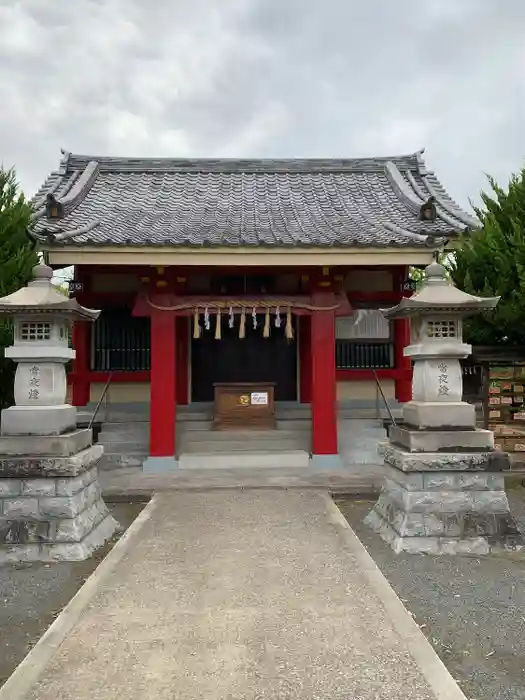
x,y
259,398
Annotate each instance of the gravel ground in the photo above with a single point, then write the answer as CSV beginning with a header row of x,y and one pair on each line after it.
x,y
32,595
472,610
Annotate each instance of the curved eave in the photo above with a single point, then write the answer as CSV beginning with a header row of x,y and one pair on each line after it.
x,y
410,307
46,244
80,312
447,208
69,190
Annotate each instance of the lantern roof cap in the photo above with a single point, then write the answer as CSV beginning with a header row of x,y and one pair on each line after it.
x,y
439,294
42,296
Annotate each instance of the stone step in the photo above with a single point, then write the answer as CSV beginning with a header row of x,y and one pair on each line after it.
x,y
194,416
295,459
124,436
114,442
198,417
294,423
361,459
118,460
242,434
365,442
351,440
125,447
125,429
359,441
210,447
132,444
118,417
191,424
282,423
363,423
298,413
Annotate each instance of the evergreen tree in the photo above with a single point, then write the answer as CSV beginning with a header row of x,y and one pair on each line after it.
x,y
17,258
491,262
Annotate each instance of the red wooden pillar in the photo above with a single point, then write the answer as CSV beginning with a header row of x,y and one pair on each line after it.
x,y
403,385
324,388
81,389
162,392
305,363
81,341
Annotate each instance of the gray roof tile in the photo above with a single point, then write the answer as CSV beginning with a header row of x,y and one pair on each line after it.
x,y
138,201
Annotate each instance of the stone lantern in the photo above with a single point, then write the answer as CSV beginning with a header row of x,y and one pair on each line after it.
x,y
443,490
42,318
51,506
436,315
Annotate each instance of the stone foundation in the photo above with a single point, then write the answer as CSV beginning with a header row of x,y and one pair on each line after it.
x,y
438,503
51,507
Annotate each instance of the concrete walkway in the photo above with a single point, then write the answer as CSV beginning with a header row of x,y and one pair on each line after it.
x,y
133,482
235,595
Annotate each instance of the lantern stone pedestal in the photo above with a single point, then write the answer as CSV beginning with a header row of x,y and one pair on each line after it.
x,y
443,490
51,507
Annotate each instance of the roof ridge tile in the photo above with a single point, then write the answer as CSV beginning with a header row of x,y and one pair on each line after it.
x,y
255,165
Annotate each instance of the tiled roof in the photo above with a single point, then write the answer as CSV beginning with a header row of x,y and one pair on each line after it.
x,y
166,202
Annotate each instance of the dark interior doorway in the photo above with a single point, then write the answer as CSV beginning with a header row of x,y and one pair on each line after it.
x,y
250,359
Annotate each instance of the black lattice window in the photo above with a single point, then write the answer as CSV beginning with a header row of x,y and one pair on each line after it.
x,y
35,331
364,341
120,342
352,355
442,329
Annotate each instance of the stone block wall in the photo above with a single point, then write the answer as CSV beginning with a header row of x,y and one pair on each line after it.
x,y
444,512
59,515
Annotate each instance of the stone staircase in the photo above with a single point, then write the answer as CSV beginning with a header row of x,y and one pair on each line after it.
x,y
359,439
125,435
125,444
201,447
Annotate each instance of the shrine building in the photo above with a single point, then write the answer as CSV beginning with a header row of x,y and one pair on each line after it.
x,y
258,281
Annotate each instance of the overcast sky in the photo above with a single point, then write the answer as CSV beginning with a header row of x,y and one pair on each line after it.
x,y
282,78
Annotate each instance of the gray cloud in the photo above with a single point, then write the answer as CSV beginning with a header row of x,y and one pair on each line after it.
x,y
266,78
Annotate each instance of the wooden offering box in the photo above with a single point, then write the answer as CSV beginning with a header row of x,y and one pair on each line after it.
x,y
249,405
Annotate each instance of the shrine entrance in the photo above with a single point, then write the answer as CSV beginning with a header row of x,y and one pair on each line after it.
x,y
252,358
